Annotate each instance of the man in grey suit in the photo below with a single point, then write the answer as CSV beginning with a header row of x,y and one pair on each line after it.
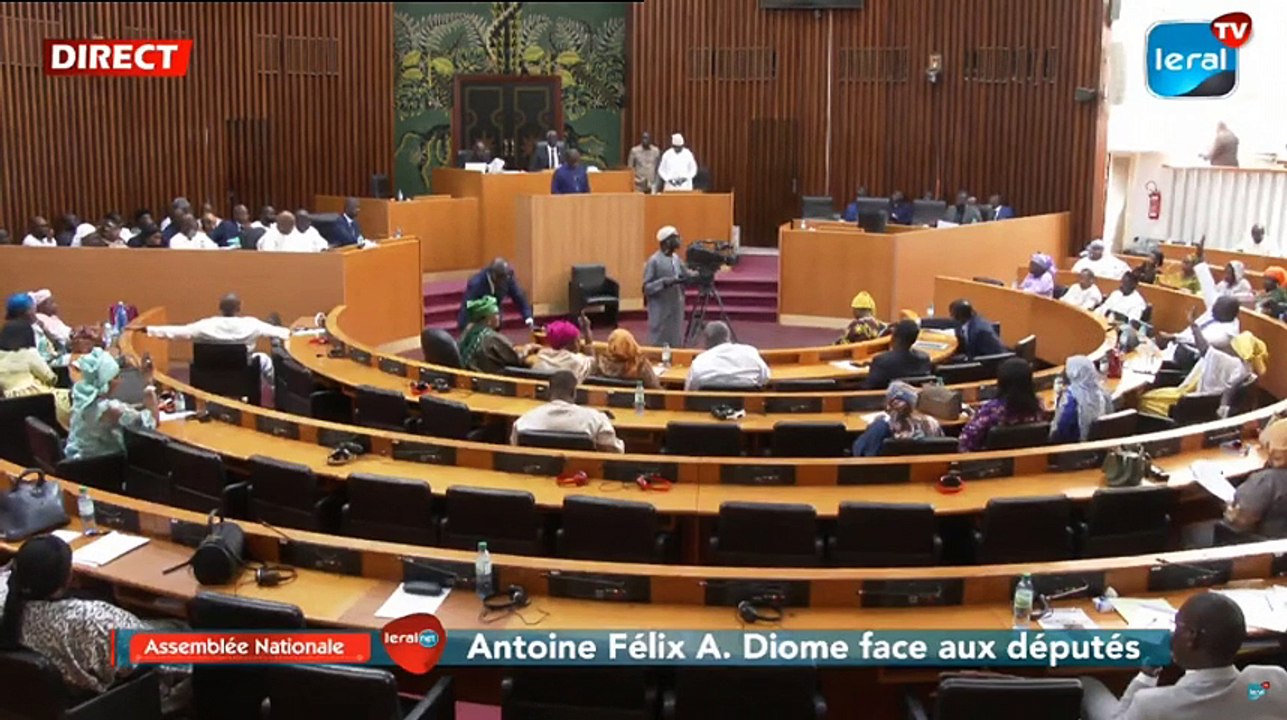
x,y
549,153
965,211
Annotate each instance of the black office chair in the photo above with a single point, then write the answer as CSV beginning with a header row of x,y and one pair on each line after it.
x,y
919,380
147,465
389,508
766,534
1114,425
960,373
803,386
528,373
36,691
611,531
817,207
225,369
105,472
250,238
737,693
1031,529
199,482
990,363
1193,409
923,446
233,693
591,287
1014,437
288,495
618,693
555,440
506,519
809,439
295,391
13,425
438,348
296,692
967,698
1127,521
928,212
378,408
885,535
708,439
609,382
443,418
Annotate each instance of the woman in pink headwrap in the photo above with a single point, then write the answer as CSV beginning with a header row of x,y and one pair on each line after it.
x,y
564,349
1041,277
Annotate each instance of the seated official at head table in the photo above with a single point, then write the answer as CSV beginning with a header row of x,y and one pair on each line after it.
x,y
284,237
726,364
1016,403
1083,401
975,336
562,414
1085,294
865,325
498,282
1040,279
566,348
230,327
1126,301
1101,262
900,421
901,360
623,359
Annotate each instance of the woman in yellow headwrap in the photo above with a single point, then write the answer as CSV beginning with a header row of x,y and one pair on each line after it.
x,y
1219,371
624,360
865,326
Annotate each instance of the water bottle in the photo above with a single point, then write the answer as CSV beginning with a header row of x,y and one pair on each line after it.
x,y
180,403
401,197
397,232
85,508
1023,602
929,312
665,355
484,581
108,335
120,318
640,402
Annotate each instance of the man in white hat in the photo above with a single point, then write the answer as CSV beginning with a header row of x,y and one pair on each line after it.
x,y
678,167
664,290
1101,262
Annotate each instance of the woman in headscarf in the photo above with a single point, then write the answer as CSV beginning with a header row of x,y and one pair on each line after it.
x,y
864,326
1082,403
1016,403
23,372
1236,285
1260,505
563,349
623,359
1186,278
1151,268
97,419
20,307
1273,301
900,421
1218,371
1041,277
58,331
481,347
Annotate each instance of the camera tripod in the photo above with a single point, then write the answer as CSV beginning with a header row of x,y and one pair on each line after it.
x,y
697,321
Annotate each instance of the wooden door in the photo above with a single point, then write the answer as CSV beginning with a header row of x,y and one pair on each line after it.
x,y
773,196
510,114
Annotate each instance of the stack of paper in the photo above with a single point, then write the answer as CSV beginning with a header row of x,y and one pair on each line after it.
x,y
1155,613
847,365
402,603
1262,609
107,548
1211,478
1067,619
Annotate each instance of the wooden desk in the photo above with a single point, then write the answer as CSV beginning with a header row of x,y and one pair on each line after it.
x,y
1214,256
446,227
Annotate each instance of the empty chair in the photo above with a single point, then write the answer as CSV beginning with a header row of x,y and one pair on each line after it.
x,y
13,424
1127,521
618,693
443,418
1013,437
739,693
147,465
611,530
591,287
1026,348
1032,529
199,482
293,385
288,495
922,446
958,373
809,439
438,348
709,439
970,698
820,207
378,408
35,691
1114,425
233,693
555,439
1194,408
506,519
773,534
885,535
44,445
296,692
225,369
388,508
802,386
104,472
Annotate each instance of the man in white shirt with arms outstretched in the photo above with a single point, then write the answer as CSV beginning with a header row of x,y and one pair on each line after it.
x,y
229,326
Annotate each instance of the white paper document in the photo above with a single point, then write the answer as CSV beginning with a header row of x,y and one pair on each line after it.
x,y
847,365
1212,479
1262,609
1067,619
167,416
107,548
66,536
402,603
1156,613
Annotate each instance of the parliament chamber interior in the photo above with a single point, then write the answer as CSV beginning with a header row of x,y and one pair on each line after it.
x,y
682,359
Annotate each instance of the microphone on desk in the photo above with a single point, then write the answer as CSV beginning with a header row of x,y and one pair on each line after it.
x,y
441,575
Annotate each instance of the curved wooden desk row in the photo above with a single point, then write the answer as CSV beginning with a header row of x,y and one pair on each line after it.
x,y
343,580
1216,256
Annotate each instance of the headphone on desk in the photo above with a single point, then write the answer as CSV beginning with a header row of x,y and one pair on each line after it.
x,y
513,598
766,608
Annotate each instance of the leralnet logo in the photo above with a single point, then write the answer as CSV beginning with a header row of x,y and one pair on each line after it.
x,y
1196,59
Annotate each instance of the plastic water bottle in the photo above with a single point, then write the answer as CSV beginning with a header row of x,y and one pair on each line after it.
x,y
85,508
108,335
397,232
484,581
1023,602
120,318
640,401
929,312
665,355
401,197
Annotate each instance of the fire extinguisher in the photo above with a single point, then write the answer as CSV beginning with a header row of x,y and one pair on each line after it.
x,y
1154,200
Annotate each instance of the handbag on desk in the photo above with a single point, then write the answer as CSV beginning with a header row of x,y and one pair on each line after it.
x,y
1126,466
939,402
32,505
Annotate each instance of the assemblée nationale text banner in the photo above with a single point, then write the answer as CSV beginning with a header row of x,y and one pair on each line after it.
x,y
420,652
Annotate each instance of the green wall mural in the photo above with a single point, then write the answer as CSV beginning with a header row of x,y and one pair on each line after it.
x,y
434,42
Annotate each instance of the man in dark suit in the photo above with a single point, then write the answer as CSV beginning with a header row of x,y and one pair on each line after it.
x,y
497,280
571,176
974,334
549,153
901,360
1001,209
479,154
346,230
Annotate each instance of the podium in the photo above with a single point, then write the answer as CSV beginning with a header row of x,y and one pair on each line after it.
x,y
447,227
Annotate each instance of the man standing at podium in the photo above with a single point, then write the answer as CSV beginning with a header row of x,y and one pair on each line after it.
x,y
664,291
498,281
571,177
678,167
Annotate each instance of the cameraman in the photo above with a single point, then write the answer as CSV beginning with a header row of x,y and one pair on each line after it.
x,y
663,288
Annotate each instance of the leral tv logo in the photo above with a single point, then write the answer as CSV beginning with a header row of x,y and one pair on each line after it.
x,y
1186,59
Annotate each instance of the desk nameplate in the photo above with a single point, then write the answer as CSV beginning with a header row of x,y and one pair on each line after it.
x,y
392,366
359,356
